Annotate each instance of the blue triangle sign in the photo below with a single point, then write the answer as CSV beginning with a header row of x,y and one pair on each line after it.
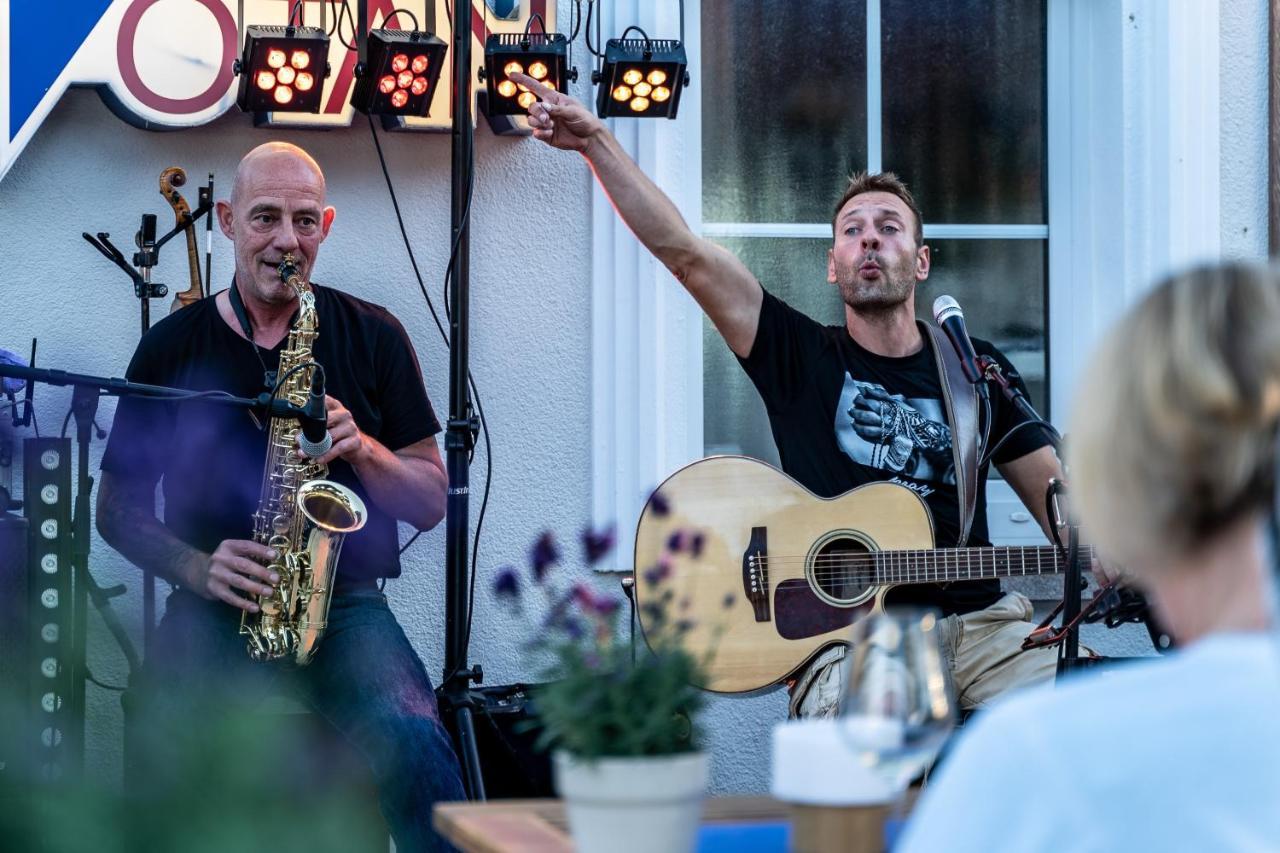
x,y
39,49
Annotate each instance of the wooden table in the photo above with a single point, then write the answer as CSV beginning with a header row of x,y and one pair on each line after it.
x,y
539,826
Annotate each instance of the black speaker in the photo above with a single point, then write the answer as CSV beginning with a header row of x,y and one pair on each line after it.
x,y
509,764
14,655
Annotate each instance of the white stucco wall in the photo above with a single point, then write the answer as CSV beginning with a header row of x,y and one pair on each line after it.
x,y
531,242
1244,128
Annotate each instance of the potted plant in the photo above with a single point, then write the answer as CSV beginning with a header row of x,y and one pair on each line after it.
x,y
621,722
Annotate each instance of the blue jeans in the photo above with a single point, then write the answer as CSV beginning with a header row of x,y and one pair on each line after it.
x,y
366,681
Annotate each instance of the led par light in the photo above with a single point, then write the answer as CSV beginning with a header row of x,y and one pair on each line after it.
x,y
641,78
543,56
282,69
400,75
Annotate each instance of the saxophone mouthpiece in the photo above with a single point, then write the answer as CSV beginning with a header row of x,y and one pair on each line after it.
x,y
288,268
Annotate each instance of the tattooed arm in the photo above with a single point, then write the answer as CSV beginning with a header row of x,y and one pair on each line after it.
x,y
127,521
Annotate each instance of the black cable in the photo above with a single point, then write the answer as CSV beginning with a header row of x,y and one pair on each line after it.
x,y
412,539
395,204
346,12
575,16
599,41
475,393
648,42
414,17
528,25
986,430
297,10
593,49
1045,425
453,250
337,15
176,397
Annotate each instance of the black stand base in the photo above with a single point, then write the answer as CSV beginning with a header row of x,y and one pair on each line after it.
x,y
501,744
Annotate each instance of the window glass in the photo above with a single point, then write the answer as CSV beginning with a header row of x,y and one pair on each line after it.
x,y
963,94
964,107
784,106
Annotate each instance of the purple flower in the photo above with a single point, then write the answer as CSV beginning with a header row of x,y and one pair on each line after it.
x,y
545,554
696,543
657,574
573,628
656,612
507,583
675,542
595,545
658,503
589,602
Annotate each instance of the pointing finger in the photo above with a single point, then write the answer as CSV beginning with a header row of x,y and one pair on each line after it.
x,y
542,91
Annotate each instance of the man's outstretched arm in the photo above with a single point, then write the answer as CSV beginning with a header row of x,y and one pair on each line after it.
x,y
727,291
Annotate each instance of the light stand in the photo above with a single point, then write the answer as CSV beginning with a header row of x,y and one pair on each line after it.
x,y
455,693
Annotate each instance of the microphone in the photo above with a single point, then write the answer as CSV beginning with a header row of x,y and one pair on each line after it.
x,y
946,311
314,439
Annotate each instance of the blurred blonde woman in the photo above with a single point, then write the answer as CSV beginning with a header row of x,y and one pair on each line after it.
x,y
1173,456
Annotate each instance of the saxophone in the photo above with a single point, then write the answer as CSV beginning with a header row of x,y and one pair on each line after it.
x,y
303,516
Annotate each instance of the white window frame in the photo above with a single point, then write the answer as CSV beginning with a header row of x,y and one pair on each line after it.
x,y
1133,183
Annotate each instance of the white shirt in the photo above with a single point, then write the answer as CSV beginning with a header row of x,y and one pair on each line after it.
x,y
1182,753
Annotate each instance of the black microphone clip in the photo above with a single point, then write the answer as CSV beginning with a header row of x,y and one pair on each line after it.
x,y
314,439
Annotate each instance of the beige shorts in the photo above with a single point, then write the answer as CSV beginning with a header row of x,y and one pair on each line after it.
x,y
983,649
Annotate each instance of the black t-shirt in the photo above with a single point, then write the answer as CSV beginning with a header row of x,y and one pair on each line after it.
x,y
211,456
817,382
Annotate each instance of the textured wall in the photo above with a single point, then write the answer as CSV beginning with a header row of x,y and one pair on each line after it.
x,y
1244,128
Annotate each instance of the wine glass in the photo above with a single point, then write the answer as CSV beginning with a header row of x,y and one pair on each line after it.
x,y
898,704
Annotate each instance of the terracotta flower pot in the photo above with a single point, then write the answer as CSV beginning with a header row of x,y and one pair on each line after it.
x,y
621,805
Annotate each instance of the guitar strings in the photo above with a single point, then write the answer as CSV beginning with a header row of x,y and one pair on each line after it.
x,y
874,567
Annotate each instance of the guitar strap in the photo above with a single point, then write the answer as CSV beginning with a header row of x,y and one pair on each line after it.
x,y
961,400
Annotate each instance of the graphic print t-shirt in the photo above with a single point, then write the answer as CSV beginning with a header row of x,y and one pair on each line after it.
x,y
842,417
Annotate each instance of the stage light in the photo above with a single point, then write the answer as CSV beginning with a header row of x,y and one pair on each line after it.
x,y
543,56
271,69
641,78
400,74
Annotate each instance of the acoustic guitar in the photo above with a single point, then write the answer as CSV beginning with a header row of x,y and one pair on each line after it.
x,y
770,574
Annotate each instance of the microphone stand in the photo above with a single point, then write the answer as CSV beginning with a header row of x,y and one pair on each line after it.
x,y
144,260
1073,583
264,403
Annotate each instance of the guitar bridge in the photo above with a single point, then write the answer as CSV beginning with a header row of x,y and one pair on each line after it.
x,y
755,573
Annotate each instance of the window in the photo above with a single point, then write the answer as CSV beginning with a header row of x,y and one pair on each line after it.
x,y
950,95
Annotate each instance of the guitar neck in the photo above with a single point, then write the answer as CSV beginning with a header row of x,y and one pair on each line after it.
x,y
937,565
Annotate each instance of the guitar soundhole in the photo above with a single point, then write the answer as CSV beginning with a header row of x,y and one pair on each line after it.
x,y
842,571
